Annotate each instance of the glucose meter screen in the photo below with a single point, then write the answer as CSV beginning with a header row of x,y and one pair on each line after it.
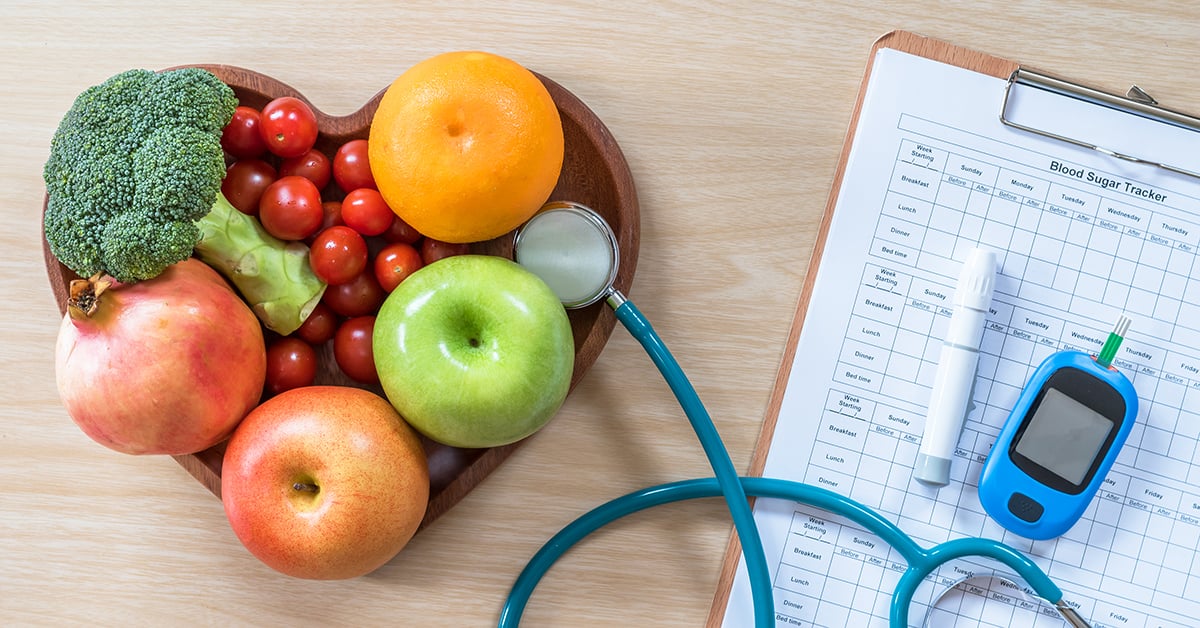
x,y
1064,436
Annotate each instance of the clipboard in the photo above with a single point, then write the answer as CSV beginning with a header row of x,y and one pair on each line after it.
x,y
1136,102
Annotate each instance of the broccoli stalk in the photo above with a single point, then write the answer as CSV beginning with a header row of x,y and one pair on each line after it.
x,y
134,184
273,276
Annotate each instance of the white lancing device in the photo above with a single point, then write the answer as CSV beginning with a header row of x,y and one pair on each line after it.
x,y
954,380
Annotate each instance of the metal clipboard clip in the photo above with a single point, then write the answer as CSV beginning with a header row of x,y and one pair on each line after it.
x,y
1136,102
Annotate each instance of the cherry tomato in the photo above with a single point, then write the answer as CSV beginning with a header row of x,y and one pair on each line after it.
x,y
244,183
291,209
333,214
319,326
351,169
366,212
352,349
338,254
288,126
434,250
242,137
395,263
312,165
332,217
358,297
400,231
291,363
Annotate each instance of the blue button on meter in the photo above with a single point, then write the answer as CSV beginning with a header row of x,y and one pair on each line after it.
x,y
1059,441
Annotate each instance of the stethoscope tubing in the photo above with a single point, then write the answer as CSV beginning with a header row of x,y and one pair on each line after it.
x,y
714,449
921,561
735,490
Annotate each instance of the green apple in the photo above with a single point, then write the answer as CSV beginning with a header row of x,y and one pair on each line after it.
x,y
474,351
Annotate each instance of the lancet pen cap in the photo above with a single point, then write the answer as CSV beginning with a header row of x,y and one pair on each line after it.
x,y
976,280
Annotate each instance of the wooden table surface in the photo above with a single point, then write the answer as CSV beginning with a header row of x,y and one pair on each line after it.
x,y
731,115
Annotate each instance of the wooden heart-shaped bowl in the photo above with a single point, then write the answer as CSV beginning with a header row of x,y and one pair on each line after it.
x,y
594,173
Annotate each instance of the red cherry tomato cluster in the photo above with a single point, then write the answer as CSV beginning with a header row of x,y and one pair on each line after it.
x,y
357,244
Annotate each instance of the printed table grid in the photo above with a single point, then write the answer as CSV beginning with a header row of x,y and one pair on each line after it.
x,y
1063,249
1095,251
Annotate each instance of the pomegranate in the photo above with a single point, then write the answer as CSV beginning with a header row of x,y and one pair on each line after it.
x,y
164,366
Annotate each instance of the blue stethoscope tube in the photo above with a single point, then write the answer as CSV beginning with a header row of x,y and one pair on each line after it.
x,y
718,457
921,562
591,240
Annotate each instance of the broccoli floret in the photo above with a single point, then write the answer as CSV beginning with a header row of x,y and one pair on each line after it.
x,y
134,163
188,95
134,182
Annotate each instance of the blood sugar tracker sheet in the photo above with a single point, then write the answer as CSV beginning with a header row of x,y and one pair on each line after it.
x,y
1081,238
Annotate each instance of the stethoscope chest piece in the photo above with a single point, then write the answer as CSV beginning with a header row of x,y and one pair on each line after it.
x,y
572,249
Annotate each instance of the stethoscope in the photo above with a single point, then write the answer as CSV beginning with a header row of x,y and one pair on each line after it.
x,y
575,252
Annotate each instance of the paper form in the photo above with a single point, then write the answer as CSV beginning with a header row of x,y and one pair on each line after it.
x,y
1080,239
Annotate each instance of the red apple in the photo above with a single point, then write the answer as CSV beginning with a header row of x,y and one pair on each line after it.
x,y
325,482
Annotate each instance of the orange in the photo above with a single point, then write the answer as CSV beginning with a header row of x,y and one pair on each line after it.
x,y
466,146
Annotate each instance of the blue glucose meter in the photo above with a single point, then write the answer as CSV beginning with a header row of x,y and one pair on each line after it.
x,y
1058,443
